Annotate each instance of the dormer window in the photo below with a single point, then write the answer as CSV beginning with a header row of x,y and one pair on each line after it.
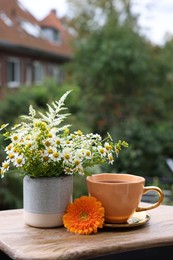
x,y
55,35
51,34
30,28
6,19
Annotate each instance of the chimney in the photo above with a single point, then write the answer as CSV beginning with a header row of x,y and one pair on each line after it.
x,y
53,11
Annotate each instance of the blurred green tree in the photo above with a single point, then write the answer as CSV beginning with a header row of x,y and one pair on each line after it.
x,y
126,82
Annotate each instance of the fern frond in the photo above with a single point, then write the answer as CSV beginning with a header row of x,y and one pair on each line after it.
x,y
31,115
53,116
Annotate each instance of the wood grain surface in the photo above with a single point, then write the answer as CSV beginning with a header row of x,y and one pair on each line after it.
x,y
19,241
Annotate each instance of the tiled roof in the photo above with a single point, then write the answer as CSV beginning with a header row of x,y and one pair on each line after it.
x,y
20,29
51,21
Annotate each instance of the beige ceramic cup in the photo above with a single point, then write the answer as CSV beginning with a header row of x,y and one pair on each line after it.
x,y
120,194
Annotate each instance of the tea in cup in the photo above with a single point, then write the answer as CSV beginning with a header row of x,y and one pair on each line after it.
x,y
121,194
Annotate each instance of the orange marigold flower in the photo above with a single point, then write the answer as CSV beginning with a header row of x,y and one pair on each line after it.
x,y
84,216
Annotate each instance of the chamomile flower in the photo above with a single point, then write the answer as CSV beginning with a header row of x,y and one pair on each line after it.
x,y
110,157
77,161
68,171
11,156
67,155
19,161
88,154
58,141
102,151
47,143
45,156
80,170
5,166
56,156
107,146
15,138
50,151
9,148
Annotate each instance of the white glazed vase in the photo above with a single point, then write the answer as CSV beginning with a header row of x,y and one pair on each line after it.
x,y
45,200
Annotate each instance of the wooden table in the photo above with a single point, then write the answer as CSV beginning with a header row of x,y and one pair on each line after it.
x,y
19,241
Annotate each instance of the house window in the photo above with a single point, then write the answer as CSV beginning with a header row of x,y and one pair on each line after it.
x,y
13,72
38,72
55,35
29,74
56,73
51,34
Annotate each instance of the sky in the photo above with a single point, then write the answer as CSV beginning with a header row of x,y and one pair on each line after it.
x,y
155,16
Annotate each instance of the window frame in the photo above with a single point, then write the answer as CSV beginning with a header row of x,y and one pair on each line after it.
x,y
38,72
13,79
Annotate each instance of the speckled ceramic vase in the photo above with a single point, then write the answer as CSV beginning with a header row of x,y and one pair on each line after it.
x,y
45,200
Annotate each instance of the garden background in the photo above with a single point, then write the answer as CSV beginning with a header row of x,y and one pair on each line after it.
x,y
122,84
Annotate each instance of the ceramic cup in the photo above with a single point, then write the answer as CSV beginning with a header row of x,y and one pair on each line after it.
x,y
120,194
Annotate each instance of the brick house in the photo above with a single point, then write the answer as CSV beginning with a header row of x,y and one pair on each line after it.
x,y
30,50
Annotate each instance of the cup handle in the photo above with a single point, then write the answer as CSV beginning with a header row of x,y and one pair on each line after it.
x,y
155,205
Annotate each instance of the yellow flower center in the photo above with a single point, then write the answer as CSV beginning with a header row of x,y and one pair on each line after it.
x,y
67,156
15,150
6,165
58,142
67,170
50,151
46,158
9,147
15,138
77,162
11,156
47,143
84,216
88,153
101,150
56,154
108,147
19,160
110,157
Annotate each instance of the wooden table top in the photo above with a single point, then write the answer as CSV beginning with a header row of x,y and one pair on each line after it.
x,y
19,241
